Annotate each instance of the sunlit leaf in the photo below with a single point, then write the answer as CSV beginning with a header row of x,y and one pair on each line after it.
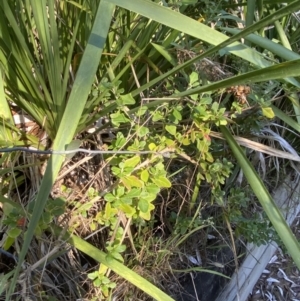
x,y
127,209
142,110
109,211
14,232
171,129
152,146
132,181
162,182
268,112
143,205
118,118
147,216
152,189
186,141
142,131
132,162
145,175
125,100
109,197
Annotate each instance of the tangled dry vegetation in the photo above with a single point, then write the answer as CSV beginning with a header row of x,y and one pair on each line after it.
x,y
160,253
184,209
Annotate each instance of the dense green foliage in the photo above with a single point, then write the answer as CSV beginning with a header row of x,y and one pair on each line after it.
x,y
155,70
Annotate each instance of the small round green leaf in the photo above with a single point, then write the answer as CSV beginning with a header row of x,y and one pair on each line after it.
x,y
171,129
143,205
14,232
162,182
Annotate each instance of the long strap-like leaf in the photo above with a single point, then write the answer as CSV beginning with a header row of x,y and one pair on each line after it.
x,y
81,88
265,198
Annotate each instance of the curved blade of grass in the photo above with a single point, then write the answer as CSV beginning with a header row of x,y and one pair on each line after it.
x,y
202,270
283,52
287,119
291,68
196,29
285,42
282,35
164,52
280,71
116,266
264,197
70,120
201,33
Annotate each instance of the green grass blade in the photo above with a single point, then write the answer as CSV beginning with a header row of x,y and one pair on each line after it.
x,y
70,120
250,12
282,35
196,29
223,40
5,115
285,42
275,48
164,52
118,268
280,71
46,27
18,63
291,68
4,108
264,197
287,119
260,8
4,280
202,270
